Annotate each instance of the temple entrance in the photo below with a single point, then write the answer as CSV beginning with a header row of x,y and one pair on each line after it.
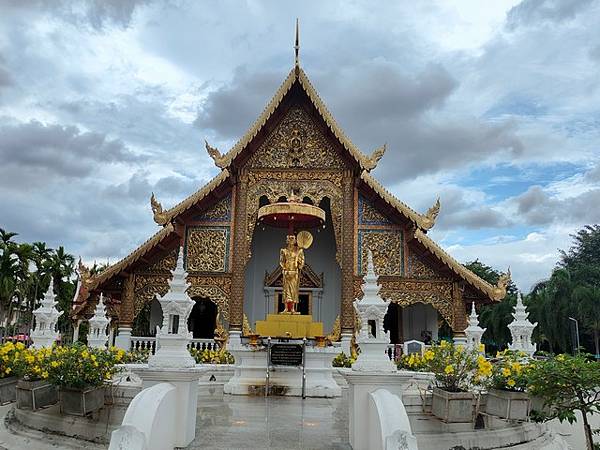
x,y
203,318
417,322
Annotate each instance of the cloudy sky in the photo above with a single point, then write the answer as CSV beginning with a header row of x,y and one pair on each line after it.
x,y
493,106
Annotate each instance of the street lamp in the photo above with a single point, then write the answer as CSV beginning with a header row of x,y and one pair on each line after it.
x,y
576,332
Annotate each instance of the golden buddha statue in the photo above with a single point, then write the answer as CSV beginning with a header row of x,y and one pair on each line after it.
x,y
291,260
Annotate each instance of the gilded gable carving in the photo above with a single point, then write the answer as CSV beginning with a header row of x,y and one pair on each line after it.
x,y
388,251
296,143
369,215
417,268
207,249
219,212
166,264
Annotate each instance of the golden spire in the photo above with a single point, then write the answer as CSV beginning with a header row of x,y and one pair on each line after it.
x,y
297,45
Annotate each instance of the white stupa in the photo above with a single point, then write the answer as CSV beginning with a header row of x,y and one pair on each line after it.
x,y
474,332
372,339
521,329
44,333
173,337
97,337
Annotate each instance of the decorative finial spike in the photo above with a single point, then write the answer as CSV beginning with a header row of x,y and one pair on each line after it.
x,y
297,45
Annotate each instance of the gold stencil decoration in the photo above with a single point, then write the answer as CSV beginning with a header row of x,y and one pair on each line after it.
x,y
165,264
215,288
207,249
218,212
388,251
296,143
147,287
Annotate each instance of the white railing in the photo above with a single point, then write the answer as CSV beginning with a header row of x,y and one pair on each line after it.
x,y
149,343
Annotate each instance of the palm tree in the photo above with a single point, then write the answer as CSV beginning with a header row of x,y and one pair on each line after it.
x,y
588,299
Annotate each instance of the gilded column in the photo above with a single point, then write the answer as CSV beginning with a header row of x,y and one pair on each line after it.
x,y
126,313
459,314
239,255
347,254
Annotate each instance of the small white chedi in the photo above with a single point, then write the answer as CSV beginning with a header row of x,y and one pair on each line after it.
x,y
372,339
44,333
521,329
97,337
474,332
173,337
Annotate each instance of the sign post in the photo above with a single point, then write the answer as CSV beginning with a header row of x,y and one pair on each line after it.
x,y
268,366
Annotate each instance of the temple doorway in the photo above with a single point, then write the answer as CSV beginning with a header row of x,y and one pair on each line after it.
x,y
203,318
417,322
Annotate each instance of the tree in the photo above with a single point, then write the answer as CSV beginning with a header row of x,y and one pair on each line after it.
x,y
566,384
588,304
495,317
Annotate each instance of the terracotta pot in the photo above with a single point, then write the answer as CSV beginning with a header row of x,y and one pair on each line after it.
x,y
80,402
508,404
35,395
8,389
452,407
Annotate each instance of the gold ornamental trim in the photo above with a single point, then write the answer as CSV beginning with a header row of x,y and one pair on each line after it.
x,y
419,220
291,208
495,293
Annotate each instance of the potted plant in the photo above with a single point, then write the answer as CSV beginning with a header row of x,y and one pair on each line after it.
x,y
507,397
8,380
34,390
81,374
455,369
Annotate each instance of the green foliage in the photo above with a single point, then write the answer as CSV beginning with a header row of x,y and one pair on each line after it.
x,y
566,384
137,356
343,360
26,270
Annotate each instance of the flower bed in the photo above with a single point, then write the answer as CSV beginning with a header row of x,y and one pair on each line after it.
x,y
207,356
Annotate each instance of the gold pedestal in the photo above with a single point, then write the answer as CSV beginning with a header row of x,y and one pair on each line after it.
x,y
289,325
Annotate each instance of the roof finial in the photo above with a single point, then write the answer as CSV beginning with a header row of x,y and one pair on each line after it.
x,y
297,46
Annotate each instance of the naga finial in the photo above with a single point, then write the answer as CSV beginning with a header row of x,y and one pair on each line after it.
x,y
431,215
215,154
221,334
160,217
371,162
499,291
246,330
336,332
85,274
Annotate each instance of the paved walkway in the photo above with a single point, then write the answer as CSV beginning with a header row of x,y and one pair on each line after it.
x,y
240,422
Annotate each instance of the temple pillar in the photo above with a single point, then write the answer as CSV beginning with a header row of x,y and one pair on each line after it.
x,y
459,315
347,254
126,314
240,255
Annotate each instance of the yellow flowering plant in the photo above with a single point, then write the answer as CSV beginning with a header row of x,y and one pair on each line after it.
x,y
207,356
415,361
79,367
8,353
31,364
509,371
343,360
456,369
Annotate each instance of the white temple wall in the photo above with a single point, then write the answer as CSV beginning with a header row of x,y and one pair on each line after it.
x,y
418,318
265,258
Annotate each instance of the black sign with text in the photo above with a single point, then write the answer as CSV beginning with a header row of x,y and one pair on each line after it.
x,y
286,354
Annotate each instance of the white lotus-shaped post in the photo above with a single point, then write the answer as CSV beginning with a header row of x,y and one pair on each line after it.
x,y
521,329
97,337
372,339
44,333
474,332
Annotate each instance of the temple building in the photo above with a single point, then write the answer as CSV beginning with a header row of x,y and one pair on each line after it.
x,y
294,149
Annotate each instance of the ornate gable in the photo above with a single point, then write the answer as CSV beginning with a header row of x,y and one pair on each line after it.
x,y
296,143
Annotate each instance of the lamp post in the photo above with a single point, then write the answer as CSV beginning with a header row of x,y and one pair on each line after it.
x,y
576,332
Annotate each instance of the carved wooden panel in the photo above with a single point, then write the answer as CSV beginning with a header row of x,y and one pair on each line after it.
x,y
216,288
369,215
219,212
207,249
387,248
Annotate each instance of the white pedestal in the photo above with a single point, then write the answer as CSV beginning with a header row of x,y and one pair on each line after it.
x,y
346,340
186,383
172,352
373,357
361,384
123,339
251,370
